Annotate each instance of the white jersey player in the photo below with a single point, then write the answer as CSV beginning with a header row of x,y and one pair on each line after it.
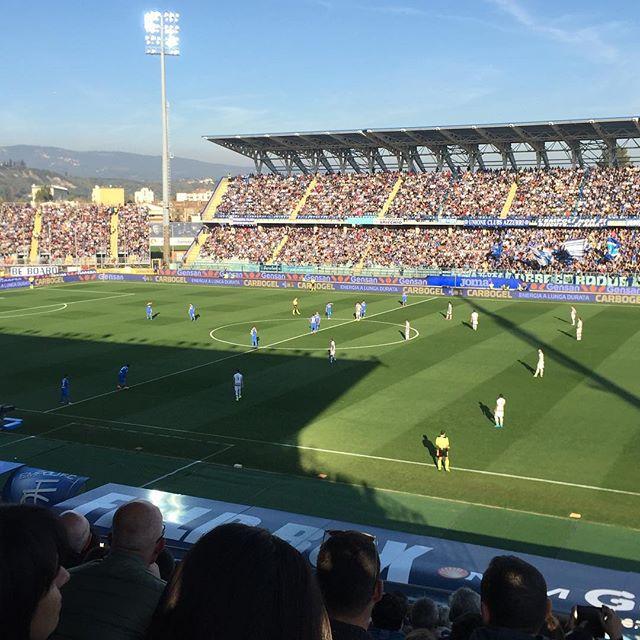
x,y
579,329
574,315
540,365
449,315
407,330
238,383
332,351
498,413
358,311
474,320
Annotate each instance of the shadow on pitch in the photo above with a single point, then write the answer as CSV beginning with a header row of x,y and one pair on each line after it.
x,y
561,319
486,412
430,447
566,333
527,366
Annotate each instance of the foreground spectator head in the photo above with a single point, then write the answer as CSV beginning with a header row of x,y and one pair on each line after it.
x,y
463,600
424,614
80,538
115,597
244,583
514,595
348,571
31,543
138,528
389,612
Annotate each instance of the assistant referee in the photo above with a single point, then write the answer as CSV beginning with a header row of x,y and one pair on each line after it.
x,y
442,451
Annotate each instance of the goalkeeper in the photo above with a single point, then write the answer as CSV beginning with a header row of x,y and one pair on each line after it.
x,y
442,451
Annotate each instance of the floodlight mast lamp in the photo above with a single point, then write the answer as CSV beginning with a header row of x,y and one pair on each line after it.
x,y
162,39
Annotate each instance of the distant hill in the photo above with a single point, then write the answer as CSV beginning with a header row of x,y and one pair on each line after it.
x,y
114,165
15,183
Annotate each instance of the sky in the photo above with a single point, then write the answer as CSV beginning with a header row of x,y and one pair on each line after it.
x,y
73,73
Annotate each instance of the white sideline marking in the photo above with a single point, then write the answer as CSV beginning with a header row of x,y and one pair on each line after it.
x,y
353,454
232,355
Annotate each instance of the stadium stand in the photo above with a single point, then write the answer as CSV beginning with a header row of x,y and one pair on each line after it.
x,y
526,193
16,226
427,247
72,232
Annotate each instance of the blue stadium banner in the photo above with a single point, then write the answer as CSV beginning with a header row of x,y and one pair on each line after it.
x,y
28,485
432,563
6,466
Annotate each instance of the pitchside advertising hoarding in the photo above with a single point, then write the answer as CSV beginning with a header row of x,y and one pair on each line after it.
x,y
430,563
513,286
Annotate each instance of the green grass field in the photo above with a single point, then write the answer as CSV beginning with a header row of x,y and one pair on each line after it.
x,y
571,441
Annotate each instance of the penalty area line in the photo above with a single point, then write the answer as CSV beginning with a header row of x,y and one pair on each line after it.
x,y
186,466
356,455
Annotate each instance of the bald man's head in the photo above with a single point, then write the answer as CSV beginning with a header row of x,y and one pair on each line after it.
x,y
78,530
137,527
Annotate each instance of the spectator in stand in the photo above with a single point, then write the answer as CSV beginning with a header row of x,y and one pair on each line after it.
x,y
32,542
116,597
243,583
387,618
80,538
463,626
425,615
348,570
463,601
514,600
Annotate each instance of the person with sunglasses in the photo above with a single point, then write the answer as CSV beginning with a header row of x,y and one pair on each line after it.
x,y
115,597
348,572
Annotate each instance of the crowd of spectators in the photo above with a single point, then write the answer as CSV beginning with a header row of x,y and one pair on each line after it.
x,y
73,232
610,192
552,192
557,192
478,194
267,195
421,195
347,195
244,583
16,227
427,247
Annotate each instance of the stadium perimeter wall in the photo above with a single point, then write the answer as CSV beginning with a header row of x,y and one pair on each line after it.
x,y
478,286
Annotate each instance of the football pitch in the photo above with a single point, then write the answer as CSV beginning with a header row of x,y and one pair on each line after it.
x,y
570,444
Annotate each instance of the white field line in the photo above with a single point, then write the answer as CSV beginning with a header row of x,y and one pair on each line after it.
x,y
186,466
232,355
355,455
65,304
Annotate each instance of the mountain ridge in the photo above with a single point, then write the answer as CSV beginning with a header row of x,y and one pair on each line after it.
x,y
114,165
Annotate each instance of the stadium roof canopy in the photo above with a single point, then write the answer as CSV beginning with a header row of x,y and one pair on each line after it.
x,y
483,146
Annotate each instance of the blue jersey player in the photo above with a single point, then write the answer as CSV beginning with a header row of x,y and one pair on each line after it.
x,y
192,312
254,337
312,324
64,390
149,311
122,377
363,309
328,310
317,320
404,299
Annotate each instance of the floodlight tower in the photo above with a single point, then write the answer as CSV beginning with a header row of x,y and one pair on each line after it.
x,y
162,39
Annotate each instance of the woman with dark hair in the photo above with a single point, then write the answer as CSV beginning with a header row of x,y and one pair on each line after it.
x,y
241,583
32,541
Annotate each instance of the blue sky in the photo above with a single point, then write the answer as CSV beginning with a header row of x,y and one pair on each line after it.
x,y
74,73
